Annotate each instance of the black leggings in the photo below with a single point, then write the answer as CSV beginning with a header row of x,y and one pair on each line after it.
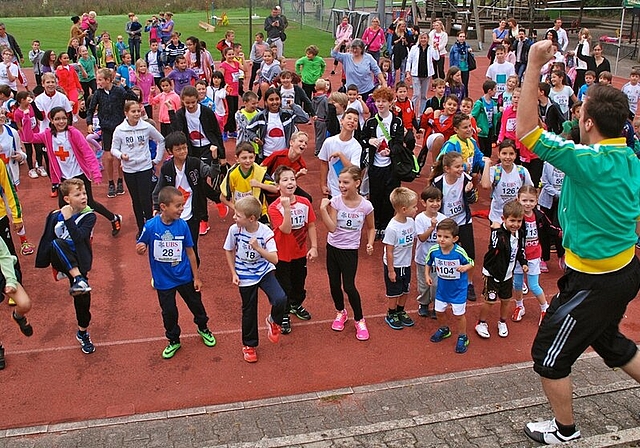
x,y
40,156
88,87
232,105
91,202
342,265
140,188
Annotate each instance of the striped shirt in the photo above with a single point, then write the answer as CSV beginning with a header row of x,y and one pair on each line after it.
x,y
250,265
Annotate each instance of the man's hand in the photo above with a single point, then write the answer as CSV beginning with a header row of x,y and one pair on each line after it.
x,y
539,54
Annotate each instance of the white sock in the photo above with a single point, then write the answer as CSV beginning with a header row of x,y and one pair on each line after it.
x,y
544,306
520,303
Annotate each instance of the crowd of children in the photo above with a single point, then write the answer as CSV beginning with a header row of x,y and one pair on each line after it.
x,y
196,103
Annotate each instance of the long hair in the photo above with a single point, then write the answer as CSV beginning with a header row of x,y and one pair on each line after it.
x,y
52,113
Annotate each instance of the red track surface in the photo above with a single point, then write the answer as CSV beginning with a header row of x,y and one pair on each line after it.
x,y
48,379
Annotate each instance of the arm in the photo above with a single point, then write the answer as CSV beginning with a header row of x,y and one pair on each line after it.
x,y
285,227
313,239
371,232
391,273
231,262
191,254
271,257
527,119
329,215
486,182
324,170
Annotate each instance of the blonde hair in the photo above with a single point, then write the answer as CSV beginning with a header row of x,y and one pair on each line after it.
x,y
249,206
402,197
339,98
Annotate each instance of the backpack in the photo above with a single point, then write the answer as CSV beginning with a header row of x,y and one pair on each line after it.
x,y
498,174
404,162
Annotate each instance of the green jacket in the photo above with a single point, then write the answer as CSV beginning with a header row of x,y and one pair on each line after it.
x,y
480,114
310,70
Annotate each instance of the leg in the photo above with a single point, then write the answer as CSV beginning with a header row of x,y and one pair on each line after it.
x,y
82,305
249,295
167,300
107,138
349,267
298,293
416,84
193,299
334,272
559,392
284,277
277,298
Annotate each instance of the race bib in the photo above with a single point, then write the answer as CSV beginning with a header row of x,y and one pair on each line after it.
x,y
511,125
447,269
454,208
350,221
247,253
237,195
298,218
167,251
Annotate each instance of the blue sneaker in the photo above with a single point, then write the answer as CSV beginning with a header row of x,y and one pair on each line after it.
x,y
462,344
440,334
393,320
85,342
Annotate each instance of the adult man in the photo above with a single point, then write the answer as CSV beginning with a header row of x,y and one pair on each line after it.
x,y
275,25
563,39
7,40
521,49
133,29
603,273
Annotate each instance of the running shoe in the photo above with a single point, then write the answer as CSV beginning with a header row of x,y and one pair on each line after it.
x,y
207,337
338,322
483,330
273,330
111,191
393,321
547,432
518,314
300,312
79,286
204,228
440,334
423,311
33,174
362,332
25,327
286,324
116,225
525,289
405,319
41,171
249,354
223,210
462,343
54,192
119,187
171,349
85,342
503,331
543,267
27,248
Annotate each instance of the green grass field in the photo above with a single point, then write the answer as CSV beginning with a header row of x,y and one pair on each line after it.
x,y
53,32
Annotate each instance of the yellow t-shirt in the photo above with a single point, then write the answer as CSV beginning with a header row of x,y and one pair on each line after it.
x,y
236,184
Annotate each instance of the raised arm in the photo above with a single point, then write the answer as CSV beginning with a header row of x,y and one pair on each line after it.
x,y
527,118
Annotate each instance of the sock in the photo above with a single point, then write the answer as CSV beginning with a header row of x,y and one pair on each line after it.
x,y
391,311
399,309
520,303
544,306
566,430
482,321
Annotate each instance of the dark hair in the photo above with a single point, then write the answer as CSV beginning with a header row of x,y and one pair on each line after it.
x,y
218,75
608,108
351,111
244,147
507,143
5,90
443,160
46,57
459,118
431,192
352,87
165,79
544,88
448,225
452,97
167,194
270,91
53,112
21,95
75,19
278,172
489,84
400,84
174,139
189,91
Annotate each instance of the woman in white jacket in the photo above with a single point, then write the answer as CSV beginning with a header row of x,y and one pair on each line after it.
x,y
420,69
131,145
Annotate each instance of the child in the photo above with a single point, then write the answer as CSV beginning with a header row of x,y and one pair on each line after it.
x,y
220,93
66,246
257,51
35,56
356,102
269,69
457,189
164,98
485,111
310,68
68,80
174,268
108,55
500,70
245,115
320,107
181,75
247,178
454,84
436,102
338,102
466,106
505,98
344,215
49,99
291,92
88,73
387,71
589,79
560,94
131,145
506,248
9,71
293,221
632,90
451,265
174,49
11,287
121,46
504,180
144,80
25,109
225,43
155,59
292,158
404,109
508,121
398,247
463,142
251,255
231,69
437,128
426,222
570,126
605,79
535,223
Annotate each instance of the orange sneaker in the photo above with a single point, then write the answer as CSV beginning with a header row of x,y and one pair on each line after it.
x,y
249,354
204,228
273,329
223,210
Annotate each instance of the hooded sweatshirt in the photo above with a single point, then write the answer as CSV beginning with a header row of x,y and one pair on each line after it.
x,y
134,142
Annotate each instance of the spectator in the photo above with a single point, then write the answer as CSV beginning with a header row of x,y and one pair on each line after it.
x,y
275,25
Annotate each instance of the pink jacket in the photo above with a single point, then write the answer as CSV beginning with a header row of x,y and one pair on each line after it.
x,y
161,98
81,150
508,130
374,39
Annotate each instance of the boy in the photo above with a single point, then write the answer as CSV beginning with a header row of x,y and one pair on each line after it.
x,y
320,104
203,99
466,106
398,246
181,75
155,61
251,255
35,56
436,102
589,79
245,115
310,68
506,248
355,102
632,90
121,46
437,128
247,178
605,79
66,246
500,71
426,222
293,221
174,268
51,98
450,263
485,111
404,109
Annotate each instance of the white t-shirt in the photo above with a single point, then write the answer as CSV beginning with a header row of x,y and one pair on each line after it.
x,y
288,97
357,106
423,222
499,73
250,265
506,190
274,137
4,75
196,134
453,201
562,98
187,193
219,95
67,161
633,95
400,235
45,103
154,68
349,223
379,160
352,151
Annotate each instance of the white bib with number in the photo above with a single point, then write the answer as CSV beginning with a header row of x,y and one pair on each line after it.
x,y
447,269
167,251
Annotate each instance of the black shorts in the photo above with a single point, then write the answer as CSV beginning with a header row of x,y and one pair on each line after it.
x,y
402,283
494,290
586,312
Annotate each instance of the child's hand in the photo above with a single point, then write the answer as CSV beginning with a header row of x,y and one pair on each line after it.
x,y
254,183
10,289
169,105
214,151
324,203
464,267
235,279
525,268
392,275
469,187
486,160
429,280
370,250
197,284
285,202
302,172
125,157
312,254
434,222
253,242
141,248
66,211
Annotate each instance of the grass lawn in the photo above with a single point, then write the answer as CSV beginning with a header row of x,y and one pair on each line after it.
x,y
53,32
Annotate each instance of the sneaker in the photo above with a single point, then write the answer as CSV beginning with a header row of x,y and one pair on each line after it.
x,y
25,327
249,354
440,334
393,321
518,314
33,174
471,293
116,225
300,312
338,322
543,267
223,210
286,324
405,319
462,344
434,315
79,286
423,311
57,276
503,331
54,192
41,171
11,302
525,289
111,192
483,330
27,248
362,332
204,228
85,342
119,188
3,364
547,432
207,337
171,349
542,314
561,264
273,330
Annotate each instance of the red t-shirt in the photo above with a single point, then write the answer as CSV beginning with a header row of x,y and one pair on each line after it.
x,y
281,157
292,246
532,247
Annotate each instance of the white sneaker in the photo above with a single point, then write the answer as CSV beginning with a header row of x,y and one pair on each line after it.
x,y
547,432
33,173
503,331
41,171
483,330
525,289
518,314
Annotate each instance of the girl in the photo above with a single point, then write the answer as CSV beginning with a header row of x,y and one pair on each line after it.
x,y
70,156
551,181
344,217
387,72
88,72
533,225
505,98
231,69
219,91
269,69
48,61
504,180
508,124
580,65
439,38
401,41
126,73
198,59
108,56
456,185
161,98
144,80
25,109
69,81
561,94
344,33
454,84
131,145
73,50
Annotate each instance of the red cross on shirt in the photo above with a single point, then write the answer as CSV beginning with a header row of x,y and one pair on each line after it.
x,y
61,153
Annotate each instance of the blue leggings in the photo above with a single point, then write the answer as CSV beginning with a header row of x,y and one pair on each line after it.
x,y
534,286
